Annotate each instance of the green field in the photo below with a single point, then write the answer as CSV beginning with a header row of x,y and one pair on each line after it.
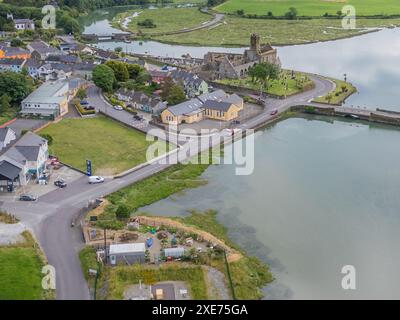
x,y
311,7
236,31
20,271
111,146
165,19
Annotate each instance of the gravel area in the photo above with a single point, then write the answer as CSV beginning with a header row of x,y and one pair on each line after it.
x,y
11,233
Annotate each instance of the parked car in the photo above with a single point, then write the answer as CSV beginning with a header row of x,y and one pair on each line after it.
x,y
235,121
119,108
137,117
27,197
84,102
273,112
60,183
88,108
95,179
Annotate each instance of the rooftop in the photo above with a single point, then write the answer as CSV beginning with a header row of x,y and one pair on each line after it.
x,y
127,248
48,92
187,107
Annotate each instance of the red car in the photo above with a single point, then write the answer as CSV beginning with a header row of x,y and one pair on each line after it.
x,y
273,112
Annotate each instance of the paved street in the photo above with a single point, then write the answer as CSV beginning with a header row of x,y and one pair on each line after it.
x,y
50,217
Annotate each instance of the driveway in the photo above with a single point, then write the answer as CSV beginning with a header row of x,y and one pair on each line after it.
x,y
26,124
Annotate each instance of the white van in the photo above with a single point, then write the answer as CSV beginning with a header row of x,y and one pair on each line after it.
x,y
95,179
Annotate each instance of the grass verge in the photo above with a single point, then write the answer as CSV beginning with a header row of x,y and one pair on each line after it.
x,y
341,92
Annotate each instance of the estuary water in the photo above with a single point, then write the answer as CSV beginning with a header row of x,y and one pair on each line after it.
x,y
325,191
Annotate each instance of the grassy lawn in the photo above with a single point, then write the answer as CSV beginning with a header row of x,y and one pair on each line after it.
x,y
8,115
20,271
339,95
298,83
111,146
311,7
236,31
160,186
165,19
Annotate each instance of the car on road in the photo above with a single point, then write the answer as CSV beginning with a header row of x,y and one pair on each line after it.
x,y
27,197
60,183
95,179
118,108
137,117
273,112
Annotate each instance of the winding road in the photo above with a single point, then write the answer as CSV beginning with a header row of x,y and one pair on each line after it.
x,y
50,217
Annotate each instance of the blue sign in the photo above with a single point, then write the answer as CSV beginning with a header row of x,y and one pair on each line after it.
x,y
89,167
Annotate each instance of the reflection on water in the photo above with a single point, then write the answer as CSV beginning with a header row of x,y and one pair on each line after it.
x,y
323,195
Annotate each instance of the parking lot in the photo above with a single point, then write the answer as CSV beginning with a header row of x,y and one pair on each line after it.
x,y
65,173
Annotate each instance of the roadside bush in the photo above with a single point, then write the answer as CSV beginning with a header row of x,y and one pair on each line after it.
x,y
48,137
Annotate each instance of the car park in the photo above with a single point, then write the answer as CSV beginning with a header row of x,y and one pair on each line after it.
x,y
27,197
95,179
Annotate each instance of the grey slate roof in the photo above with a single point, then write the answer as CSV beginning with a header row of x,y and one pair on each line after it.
x,y
3,133
8,170
33,63
217,105
30,139
186,107
12,62
215,95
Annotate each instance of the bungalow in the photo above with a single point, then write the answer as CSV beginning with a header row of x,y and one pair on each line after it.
x,y
24,24
24,160
217,105
14,65
6,136
192,84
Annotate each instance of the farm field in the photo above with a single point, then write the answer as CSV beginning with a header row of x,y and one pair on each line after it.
x,y
165,19
235,31
311,7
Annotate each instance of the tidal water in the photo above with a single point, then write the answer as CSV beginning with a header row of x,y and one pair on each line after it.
x,y
325,191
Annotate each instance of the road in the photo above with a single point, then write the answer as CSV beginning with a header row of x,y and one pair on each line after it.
x,y
50,217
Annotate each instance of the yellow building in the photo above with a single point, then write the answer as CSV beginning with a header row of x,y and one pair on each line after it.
x,y
216,105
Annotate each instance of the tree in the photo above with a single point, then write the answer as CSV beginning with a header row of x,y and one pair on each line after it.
x,y
263,72
122,212
81,93
15,85
291,14
176,95
240,12
69,24
166,87
147,23
143,77
16,42
4,103
118,49
134,70
48,137
103,77
119,68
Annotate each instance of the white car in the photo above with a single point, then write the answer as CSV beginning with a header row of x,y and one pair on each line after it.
x,y
119,108
95,179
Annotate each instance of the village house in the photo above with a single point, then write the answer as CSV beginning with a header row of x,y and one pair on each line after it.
x,y
14,65
191,83
158,76
141,101
40,50
24,24
51,98
217,105
68,43
33,67
7,52
221,65
6,136
23,161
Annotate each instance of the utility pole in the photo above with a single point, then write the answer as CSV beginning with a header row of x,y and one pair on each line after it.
x,y
105,245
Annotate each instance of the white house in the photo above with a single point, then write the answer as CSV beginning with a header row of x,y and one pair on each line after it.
x,y
24,24
23,161
6,136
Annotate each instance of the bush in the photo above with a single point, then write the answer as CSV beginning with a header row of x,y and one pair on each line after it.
x,y
48,137
122,212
